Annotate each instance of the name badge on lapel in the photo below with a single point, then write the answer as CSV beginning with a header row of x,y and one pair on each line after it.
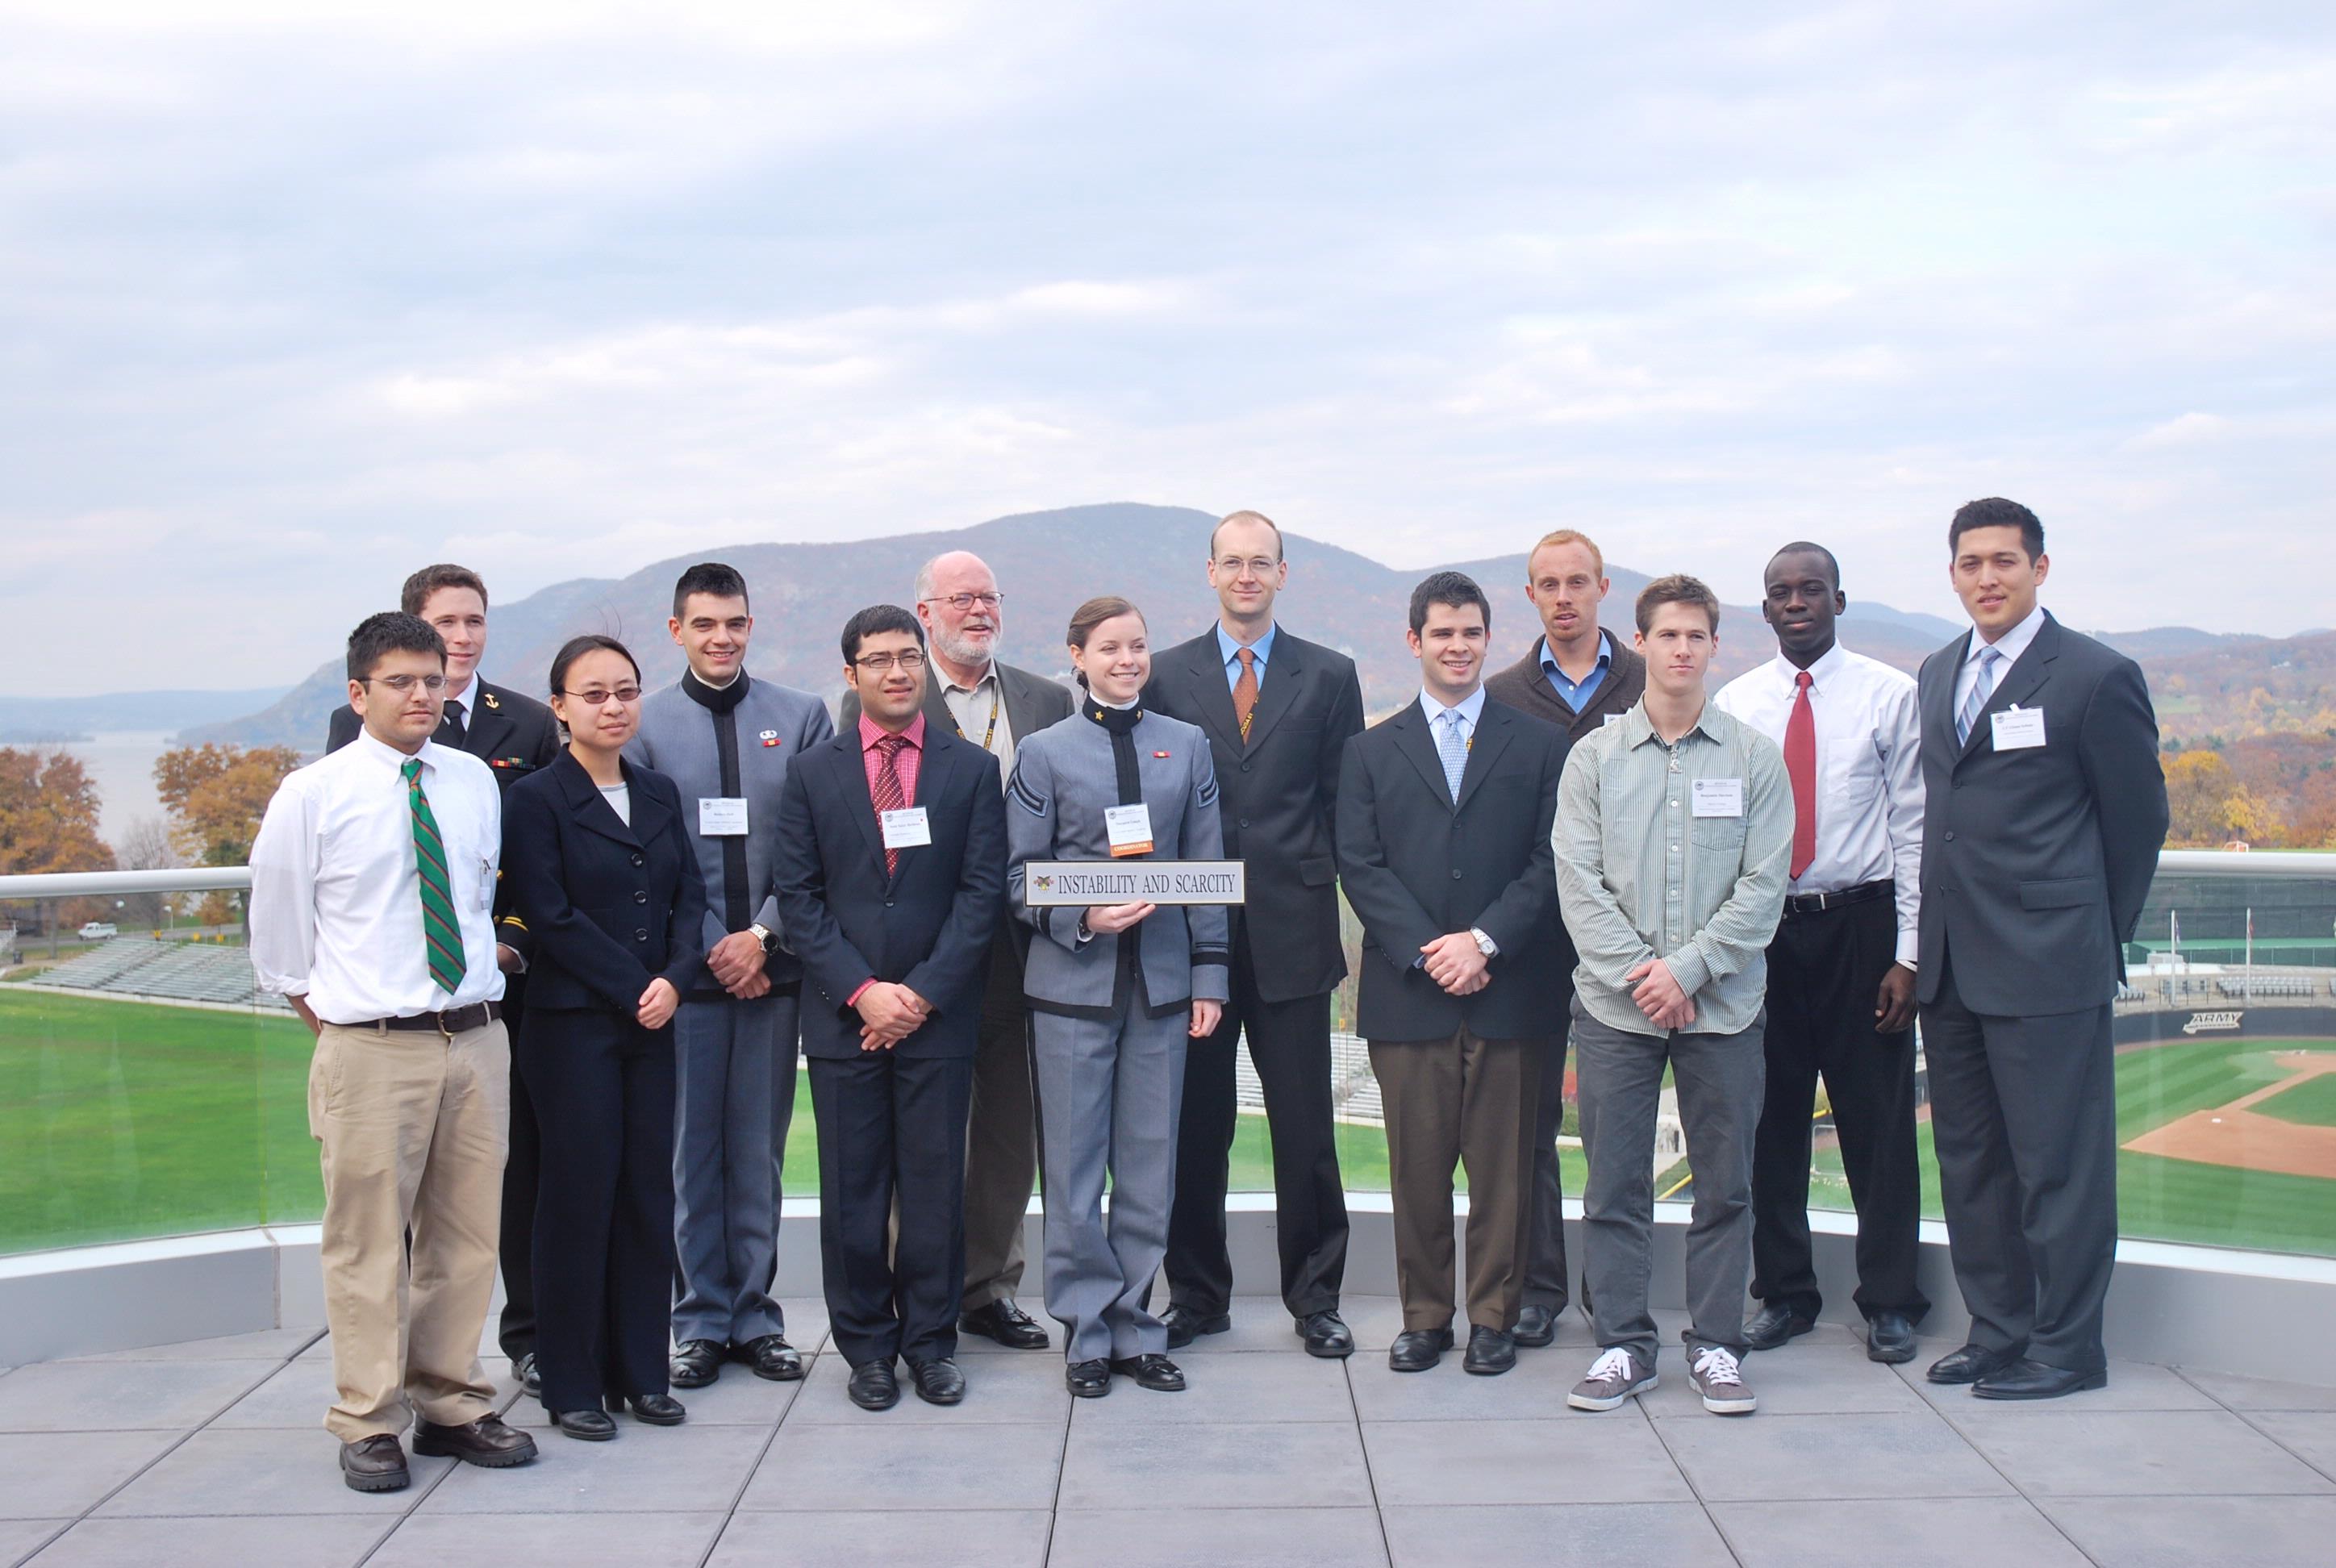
x,y
1716,797
1130,829
2018,728
906,829
721,816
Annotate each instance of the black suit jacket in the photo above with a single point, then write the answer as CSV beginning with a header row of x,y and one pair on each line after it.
x,y
514,735
612,906
1278,795
1524,687
1416,867
2035,861
929,926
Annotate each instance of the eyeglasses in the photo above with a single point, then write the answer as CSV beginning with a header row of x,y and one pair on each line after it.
x,y
909,663
962,602
402,684
599,695
1256,565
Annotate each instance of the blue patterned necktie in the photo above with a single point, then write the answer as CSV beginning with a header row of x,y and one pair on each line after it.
x,y
1452,751
1982,689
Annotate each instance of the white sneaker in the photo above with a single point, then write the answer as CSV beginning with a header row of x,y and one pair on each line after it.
x,y
1614,1378
1720,1381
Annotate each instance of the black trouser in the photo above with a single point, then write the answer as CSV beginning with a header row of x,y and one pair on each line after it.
x,y
1825,977
604,1253
891,1127
516,1331
1289,1045
1545,1284
2023,1112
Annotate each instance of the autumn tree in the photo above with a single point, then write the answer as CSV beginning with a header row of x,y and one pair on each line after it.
x,y
48,817
216,795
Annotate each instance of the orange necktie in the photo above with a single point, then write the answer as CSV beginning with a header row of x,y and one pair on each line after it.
x,y
1245,689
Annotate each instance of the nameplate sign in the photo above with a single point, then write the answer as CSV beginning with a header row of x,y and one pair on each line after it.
x,y
1059,884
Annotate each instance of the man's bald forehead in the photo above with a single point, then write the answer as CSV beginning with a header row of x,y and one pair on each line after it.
x,y
961,568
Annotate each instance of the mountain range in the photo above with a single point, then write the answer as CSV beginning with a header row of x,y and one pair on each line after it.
x,y
1047,562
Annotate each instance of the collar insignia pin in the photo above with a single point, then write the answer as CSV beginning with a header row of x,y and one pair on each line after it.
x,y
489,698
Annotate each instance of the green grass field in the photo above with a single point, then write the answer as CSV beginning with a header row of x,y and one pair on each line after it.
x,y
121,1120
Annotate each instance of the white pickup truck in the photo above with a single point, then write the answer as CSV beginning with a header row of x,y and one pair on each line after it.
x,y
98,930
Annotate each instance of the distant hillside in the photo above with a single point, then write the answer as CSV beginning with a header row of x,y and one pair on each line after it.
x,y
1047,562
126,710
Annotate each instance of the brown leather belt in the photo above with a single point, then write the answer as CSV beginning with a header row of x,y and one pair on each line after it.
x,y
477,1016
1817,904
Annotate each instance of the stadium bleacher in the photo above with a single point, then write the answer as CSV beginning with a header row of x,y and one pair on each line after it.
x,y
165,971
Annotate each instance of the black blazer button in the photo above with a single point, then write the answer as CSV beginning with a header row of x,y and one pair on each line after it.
x,y
888,903
1244,767
1243,823
1455,873
640,897
640,936
1951,838
640,861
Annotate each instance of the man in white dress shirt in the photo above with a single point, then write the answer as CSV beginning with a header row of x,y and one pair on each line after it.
x,y
372,893
1841,970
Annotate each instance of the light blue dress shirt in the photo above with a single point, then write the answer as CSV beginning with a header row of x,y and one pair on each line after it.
x,y
1577,695
1229,651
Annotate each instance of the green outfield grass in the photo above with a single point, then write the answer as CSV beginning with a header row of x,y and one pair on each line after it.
x,y
2312,1102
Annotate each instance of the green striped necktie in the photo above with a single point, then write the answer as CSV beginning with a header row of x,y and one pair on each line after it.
x,y
442,933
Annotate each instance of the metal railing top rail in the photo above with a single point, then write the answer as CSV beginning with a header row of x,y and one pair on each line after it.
x,y
2277,864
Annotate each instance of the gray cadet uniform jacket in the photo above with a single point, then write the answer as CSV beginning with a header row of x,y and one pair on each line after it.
x,y
774,724
1064,778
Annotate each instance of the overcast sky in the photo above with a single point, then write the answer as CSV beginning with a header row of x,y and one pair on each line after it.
x,y
297,296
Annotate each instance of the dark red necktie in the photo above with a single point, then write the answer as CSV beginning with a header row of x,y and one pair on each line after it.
x,y
887,792
1801,767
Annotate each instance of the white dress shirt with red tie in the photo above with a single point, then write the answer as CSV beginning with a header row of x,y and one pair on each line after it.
x,y
1865,787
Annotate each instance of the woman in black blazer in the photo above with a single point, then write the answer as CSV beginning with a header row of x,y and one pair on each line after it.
x,y
605,877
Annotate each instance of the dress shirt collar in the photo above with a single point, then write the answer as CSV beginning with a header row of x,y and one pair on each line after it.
x,y
871,732
1470,709
383,755
469,695
1638,728
1822,674
2011,644
989,676
1229,651
1605,658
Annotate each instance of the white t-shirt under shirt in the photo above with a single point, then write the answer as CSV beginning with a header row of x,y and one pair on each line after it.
x,y
620,799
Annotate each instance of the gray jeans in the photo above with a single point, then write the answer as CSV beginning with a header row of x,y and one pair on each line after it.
x,y
1619,1077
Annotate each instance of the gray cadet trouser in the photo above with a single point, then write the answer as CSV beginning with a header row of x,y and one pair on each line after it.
x,y
1619,1077
734,1066
1109,1093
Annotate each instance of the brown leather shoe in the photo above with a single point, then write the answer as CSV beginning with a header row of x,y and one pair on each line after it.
x,y
375,1464
485,1441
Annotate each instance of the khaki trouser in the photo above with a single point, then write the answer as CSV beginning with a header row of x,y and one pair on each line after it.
x,y
414,1127
1462,1101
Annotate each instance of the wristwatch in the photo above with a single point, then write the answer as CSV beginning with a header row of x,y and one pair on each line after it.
x,y
1484,944
764,935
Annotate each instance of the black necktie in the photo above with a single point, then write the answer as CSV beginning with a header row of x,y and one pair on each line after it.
x,y
452,721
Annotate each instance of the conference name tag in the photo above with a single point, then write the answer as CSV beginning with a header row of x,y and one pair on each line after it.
x,y
1057,883
721,816
2018,728
1130,828
906,829
1717,797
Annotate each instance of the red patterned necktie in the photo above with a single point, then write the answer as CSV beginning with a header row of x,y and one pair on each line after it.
x,y
1245,689
1801,767
887,792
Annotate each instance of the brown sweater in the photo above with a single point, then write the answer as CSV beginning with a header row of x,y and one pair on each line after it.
x,y
1524,686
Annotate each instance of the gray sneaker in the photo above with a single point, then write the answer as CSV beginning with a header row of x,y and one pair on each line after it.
x,y
1614,1378
1720,1380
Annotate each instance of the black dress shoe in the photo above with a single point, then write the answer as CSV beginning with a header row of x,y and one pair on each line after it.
x,y
1007,1323
1151,1370
873,1386
529,1376
695,1363
1326,1335
485,1441
1491,1351
2026,1379
1087,1379
1184,1325
656,1409
939,1382
1417,1350
1775,1323
376,1464
1537,1325
1890,1338
1969,1365
585,1426
770,1356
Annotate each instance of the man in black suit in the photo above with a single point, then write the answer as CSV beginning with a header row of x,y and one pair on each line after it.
x,y
514,735
2047,809
1445,810
891,876
1277,711
971,693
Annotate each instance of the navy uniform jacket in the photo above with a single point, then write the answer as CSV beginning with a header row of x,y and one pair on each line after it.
x,y
612,907
1416,867
2035,861
927,927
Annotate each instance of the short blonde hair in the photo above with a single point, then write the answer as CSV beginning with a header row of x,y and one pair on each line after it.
x,y
1566,536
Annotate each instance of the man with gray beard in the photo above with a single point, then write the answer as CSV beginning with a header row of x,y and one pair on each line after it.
x,y
990,705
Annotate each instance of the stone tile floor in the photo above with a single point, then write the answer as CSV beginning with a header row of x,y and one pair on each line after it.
x,y
211,1454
